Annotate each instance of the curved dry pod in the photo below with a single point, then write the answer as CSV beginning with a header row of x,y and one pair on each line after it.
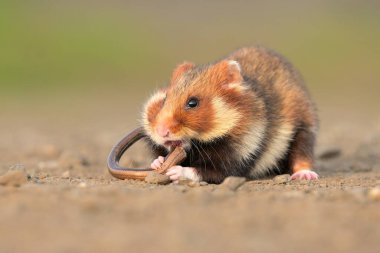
x,y
174,158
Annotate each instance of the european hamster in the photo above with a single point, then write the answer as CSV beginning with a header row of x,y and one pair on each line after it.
x,y
247,115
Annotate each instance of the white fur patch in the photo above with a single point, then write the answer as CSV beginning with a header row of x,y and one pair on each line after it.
x,y
159,95
176,172
191,174
224,120
234,64
276,149
252,140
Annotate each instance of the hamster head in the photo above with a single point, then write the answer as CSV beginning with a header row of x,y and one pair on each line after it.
x,y
200,103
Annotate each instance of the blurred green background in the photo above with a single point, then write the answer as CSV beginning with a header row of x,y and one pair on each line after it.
x,y
63,49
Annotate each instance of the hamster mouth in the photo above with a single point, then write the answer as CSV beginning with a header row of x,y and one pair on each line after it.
x,y
173,144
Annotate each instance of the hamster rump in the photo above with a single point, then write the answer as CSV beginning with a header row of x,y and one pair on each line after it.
x,y
240,116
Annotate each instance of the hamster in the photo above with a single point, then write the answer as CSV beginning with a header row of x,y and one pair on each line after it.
x,y
247,115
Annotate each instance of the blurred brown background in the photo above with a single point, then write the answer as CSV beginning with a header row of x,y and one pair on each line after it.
x,y
57,51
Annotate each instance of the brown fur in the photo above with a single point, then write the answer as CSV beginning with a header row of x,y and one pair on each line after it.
x,y
253,118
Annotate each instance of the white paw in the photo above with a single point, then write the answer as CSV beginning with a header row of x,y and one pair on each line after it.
x,y
156,164
305,174
176,172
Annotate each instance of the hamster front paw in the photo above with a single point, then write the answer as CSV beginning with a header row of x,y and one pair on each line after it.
x,y
176,172
156,164
305,174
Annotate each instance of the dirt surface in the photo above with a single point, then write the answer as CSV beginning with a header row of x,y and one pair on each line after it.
x,y
69,202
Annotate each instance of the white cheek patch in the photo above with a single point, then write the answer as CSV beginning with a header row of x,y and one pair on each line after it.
x,y
159,95
275,150
225,119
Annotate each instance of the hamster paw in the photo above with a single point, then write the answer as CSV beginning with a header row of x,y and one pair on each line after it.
x,y
156,164
176,172
305,174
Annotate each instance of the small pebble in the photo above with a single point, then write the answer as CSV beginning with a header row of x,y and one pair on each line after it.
x,y
14,178
374,194
65,174
156,178
233,183
43,175
203,183
281,179
184,181
188,182
180,188
194,184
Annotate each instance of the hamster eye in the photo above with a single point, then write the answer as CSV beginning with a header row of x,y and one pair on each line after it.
x,y
192,103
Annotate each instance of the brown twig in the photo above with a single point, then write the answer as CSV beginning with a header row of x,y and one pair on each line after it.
x,y
174,158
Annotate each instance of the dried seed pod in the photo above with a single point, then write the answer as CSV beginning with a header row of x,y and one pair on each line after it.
x,y
174,158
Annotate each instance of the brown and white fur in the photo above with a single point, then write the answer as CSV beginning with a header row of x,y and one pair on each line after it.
x,y
252,117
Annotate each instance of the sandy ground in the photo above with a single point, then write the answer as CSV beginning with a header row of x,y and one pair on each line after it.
x,y
70,203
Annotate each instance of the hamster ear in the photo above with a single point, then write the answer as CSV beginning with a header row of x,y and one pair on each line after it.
x,y
227,73
179,70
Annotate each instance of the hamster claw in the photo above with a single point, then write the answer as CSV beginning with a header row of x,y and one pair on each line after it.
x,y
304,175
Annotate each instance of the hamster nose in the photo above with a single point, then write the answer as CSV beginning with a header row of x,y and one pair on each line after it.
x,y
163,131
